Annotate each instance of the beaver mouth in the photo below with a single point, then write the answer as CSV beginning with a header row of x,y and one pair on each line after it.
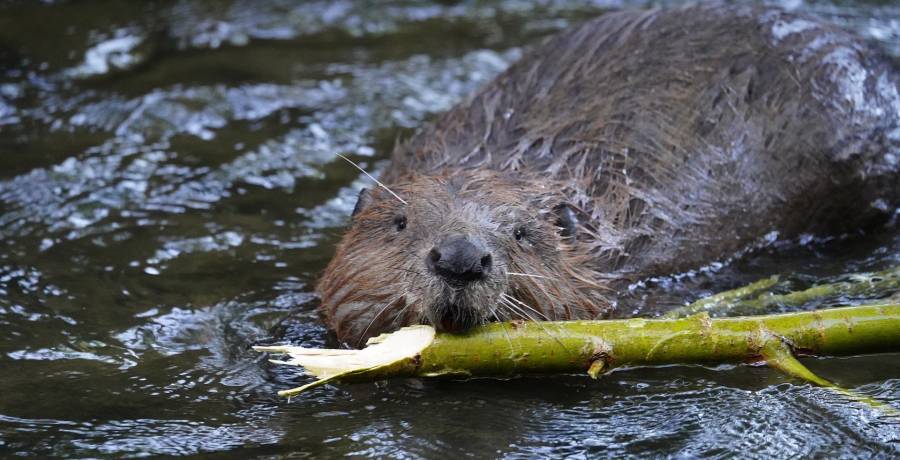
x,y
456,318
456,308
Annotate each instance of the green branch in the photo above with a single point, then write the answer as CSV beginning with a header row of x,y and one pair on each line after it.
x,y
755,298
504,349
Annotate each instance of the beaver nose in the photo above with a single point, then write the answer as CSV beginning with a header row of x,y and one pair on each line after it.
x,y
458,260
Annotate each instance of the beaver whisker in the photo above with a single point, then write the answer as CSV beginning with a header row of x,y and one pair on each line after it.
x,y
503,326
523,313
374,318
373,178
408,270
399,314
505,301
531,276
507,296
517,311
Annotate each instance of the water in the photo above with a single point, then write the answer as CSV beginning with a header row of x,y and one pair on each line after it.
x,y
168,194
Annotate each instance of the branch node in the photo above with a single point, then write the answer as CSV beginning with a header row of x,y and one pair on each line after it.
x,y
598,366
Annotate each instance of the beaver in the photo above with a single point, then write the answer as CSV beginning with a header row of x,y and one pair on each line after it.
x,y
637,144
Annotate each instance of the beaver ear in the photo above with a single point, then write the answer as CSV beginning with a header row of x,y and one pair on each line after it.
x,y
363,200
565,220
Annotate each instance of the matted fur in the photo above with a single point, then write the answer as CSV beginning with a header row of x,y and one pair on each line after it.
x,y
678,137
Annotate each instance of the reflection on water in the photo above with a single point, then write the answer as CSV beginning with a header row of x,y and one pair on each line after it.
x,y
168,193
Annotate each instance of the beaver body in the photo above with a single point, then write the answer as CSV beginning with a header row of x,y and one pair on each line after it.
x,y
637,144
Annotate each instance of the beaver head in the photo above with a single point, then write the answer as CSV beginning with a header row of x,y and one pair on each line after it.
x,y
462,248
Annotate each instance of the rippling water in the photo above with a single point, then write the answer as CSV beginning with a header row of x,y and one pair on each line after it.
x,y
168,194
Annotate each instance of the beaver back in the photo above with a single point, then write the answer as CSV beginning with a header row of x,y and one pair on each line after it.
x,y
685,135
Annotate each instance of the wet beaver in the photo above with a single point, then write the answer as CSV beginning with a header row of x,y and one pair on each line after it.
x,y
637,144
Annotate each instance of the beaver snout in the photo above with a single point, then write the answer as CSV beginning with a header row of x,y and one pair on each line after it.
x,y
459,260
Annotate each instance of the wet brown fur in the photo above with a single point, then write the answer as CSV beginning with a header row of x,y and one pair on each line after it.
x,y
677,137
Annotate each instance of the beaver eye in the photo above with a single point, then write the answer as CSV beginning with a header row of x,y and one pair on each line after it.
x,y
519,233
400,222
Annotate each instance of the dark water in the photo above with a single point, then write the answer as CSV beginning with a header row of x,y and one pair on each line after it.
x,y
168,193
